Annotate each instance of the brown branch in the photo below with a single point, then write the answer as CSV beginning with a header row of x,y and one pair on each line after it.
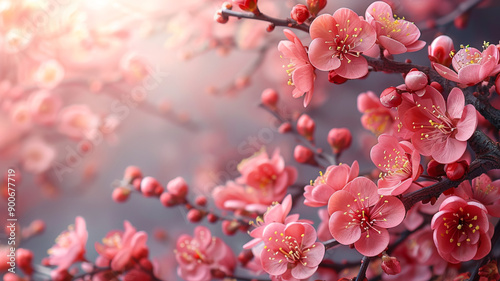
x,y
262,17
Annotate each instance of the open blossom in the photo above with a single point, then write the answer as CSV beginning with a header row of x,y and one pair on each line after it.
x,y
122,248
77,121
471,65
483,190
37,155
198,255
49,74
338,42
300,69
441,130
359,215
376,117
399,162
396,35
263,181
461,230
276,213
291,251
334,179
44,107
70,246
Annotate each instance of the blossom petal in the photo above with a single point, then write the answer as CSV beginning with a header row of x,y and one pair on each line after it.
x,y
390,213
353,68
342,229
322,26
303,272
455,103
394,47
321,56
373,243
449,151
446,72
467,124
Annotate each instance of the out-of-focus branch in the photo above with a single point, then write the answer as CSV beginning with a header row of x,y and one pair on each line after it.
x,y
262,17
462,8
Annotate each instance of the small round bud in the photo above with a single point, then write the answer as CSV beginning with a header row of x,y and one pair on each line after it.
x,y
220,18
339,139
416,80
299,13
230,227
285,128
461,21
303,154
440,50
212,218
24,258
12,277
390,97
315,6
201,200
334,78
168,200
37,227
269,98
194,215
132,173
270,27
120,194
390,265
149,186
136,183
178,187
306,126
455,171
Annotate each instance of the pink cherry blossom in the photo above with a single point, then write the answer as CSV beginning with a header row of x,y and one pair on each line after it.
x,y
44,107
291,251
122,248
461,230
399,162
441,130
483,190
37,155
276,213
323,230
77,121
471,65
359,215
198,255
334,179
376,117
300,69
396,35
70,246
338,42
49,74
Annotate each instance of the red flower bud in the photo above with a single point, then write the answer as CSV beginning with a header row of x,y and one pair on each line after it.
x,y
269,98
339,139
285,128
201,200
435,169
390,97
390,265
300,13
132,173
334,78
220,18
230,227
24,259
248,5
315,6
178,187
440,50
416,80
303,154
437,86
489,272
455,171
306,126
194,215
120,194
168,200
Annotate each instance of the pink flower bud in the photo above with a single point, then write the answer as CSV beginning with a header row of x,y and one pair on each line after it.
x,y
306,126
285,128
416,80
168,200
269,98
390,97
132,173
339,139
390,265
303,154
455,171
136,183
440,50
120,194
248,5
24,260
315,6
60,275
437,86
435,169
194,215
149,186
212,218
245,256
201,200
299,13
178,187
220,18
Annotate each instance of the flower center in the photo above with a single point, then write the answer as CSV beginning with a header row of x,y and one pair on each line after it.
x,y
460,227
440,124
397,164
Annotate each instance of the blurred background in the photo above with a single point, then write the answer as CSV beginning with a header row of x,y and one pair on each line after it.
x,y
161,85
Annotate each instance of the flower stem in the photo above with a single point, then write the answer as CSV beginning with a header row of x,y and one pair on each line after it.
x,y
262,17
362,270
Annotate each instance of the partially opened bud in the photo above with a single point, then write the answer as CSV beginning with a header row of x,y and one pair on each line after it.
x,y
339,139
303,154
269,98
220,18
416,80
390,265
306,126
300,13
315,6
248,5
435,169
390,97
455,171
440,50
